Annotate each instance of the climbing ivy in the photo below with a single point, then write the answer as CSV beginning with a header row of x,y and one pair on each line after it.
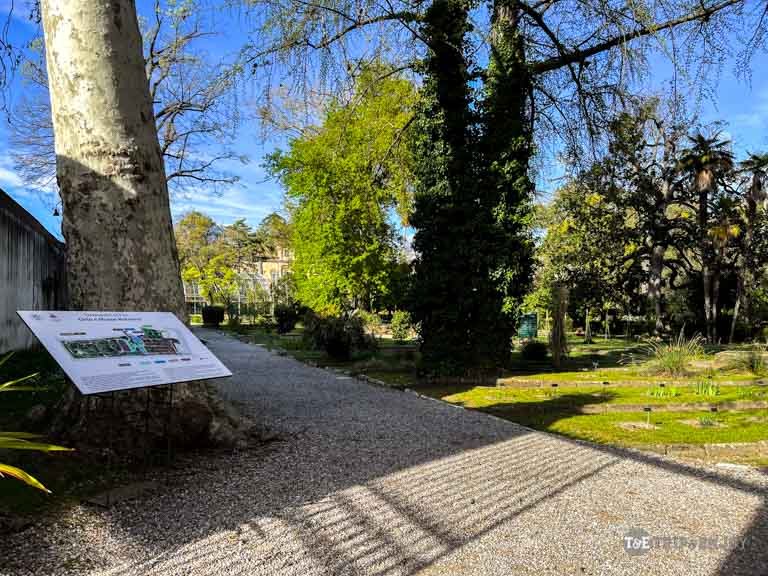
x,y
472,196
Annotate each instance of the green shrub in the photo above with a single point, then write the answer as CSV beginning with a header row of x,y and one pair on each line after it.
x,y
400,325
371,321
671,358
195,318
286,317
233,322
534,351
338,336
213,315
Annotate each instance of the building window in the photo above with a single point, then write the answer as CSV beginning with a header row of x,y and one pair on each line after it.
x,y
275,276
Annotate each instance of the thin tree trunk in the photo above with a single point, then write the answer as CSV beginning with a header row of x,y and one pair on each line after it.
x,y
587,328
735,319
707,281
558,339
116,217
703,183
654,286
715,303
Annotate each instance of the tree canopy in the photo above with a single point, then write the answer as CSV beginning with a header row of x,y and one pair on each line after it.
x,y
347,183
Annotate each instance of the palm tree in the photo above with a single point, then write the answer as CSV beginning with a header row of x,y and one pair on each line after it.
x,y
756,166
707,159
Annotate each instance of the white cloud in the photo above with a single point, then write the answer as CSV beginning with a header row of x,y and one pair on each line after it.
x,y
242,201
9,179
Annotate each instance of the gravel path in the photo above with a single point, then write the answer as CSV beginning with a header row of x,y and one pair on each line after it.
x,y
370,481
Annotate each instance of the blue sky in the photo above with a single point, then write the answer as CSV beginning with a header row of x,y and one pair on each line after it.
x,y
742,105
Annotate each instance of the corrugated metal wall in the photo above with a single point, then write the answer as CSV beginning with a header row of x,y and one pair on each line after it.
x,y
32,272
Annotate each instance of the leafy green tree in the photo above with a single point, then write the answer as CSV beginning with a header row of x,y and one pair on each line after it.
x,y
274,232
641,173
217,279
245,244
588,248
197,237
210,254
472,210
343,181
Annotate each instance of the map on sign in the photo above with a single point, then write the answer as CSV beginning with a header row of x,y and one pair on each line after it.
x,y
106,351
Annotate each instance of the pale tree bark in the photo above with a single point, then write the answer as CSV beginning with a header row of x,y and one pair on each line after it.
x,y
116,213
117,218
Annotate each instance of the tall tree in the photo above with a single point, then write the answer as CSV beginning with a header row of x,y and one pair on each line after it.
x,y
641,173
750,266
116,218
343,182
708,160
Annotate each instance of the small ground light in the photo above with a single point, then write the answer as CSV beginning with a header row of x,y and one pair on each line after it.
x,y
713,409
662,385
647,410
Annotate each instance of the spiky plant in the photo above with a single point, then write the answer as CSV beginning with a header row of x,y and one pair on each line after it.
x,y
671,358
22,440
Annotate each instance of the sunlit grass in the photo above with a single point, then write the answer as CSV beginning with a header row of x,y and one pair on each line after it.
x,y
557,410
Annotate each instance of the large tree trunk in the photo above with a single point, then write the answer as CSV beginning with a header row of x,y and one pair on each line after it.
x,y
116,217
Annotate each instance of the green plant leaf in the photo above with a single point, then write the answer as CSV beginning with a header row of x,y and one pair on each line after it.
x,y
5,358
5,386
25,435
8,443
19,474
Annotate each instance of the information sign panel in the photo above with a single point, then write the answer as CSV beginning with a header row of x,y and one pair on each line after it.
x,y
107,351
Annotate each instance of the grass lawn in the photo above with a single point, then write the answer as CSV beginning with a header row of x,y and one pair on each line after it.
x,y
559,412
482,396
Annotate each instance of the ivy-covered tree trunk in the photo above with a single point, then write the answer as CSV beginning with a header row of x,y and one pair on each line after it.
x,y
446,271
472,202
507,189
116,218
